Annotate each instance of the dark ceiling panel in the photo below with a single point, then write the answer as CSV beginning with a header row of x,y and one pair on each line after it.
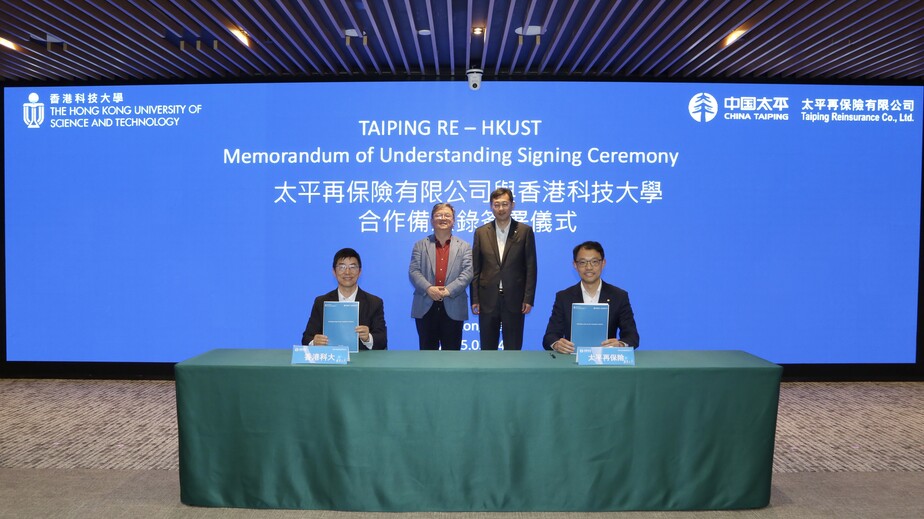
x,y
139,40
672,43
758,37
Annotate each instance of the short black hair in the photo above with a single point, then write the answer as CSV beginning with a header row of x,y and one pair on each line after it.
x,y
441,205
347,253
589,245
501,191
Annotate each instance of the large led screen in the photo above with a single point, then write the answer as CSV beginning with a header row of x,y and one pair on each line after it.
x,y
153,223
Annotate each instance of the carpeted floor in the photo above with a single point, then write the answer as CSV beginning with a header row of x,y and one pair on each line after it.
x,y
88,424
856,427
118,424
91,448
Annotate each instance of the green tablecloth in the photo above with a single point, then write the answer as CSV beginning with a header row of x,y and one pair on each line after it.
x,y
477,431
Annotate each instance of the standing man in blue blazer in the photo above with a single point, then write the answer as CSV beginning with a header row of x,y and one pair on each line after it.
x,y
504,286
440,270
589,261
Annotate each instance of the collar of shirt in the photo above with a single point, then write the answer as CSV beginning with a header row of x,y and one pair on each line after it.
x,y
502,232
351,297
592,298
444,244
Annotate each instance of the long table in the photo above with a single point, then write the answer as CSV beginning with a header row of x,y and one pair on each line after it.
x,y
477,431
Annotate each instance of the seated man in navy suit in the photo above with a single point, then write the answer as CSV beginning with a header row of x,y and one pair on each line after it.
x,y
371,331
589,261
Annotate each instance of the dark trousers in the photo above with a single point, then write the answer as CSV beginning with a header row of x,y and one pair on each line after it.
x,y
436,328
491,323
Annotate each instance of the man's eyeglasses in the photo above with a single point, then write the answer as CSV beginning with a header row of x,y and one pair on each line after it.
x,y
593,263
442,217
343,267
500,205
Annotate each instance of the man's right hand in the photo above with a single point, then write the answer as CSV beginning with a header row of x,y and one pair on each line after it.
x,y
476,308
563,346
319,340
435,293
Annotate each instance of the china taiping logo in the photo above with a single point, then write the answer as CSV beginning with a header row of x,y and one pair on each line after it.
x,y
33,112
703,107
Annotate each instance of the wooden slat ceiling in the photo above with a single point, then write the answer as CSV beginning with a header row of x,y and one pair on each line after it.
x,y
142,40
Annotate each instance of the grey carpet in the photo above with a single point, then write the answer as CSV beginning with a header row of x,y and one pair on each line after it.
x,y
118,424
88,424
857,426
94,494
101,448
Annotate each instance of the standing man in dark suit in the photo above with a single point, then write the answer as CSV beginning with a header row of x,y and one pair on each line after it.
x,y
371,332
589,262
504,282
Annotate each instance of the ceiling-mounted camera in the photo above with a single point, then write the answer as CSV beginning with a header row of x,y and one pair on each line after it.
x,y
474,78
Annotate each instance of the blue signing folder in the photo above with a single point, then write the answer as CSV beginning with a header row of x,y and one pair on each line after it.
x,y
340,321
589,323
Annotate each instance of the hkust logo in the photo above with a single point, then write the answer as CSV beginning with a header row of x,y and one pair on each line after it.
x,y
33,112
703,107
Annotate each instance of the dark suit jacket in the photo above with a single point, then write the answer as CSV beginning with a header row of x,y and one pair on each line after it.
x,y
621,316
517,268
371,314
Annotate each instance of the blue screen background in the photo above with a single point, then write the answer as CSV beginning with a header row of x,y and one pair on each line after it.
x,y
796,241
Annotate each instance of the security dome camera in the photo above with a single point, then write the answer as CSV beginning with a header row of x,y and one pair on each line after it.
x,y
474,78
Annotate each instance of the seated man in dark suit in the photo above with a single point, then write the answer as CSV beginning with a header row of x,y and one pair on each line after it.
x,y
371,331
589,261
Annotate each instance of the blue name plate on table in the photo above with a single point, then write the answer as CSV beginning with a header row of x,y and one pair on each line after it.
x,y
320,354
600,356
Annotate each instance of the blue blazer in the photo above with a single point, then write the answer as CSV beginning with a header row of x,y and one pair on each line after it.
x,y
422,273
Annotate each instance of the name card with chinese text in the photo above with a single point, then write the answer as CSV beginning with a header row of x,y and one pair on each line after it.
x,y
600,356
320,354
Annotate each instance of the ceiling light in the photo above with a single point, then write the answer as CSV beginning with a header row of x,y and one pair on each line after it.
x,y
529,30
735,35
45,39
8,44
351,33
477,31
241,35
424,32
